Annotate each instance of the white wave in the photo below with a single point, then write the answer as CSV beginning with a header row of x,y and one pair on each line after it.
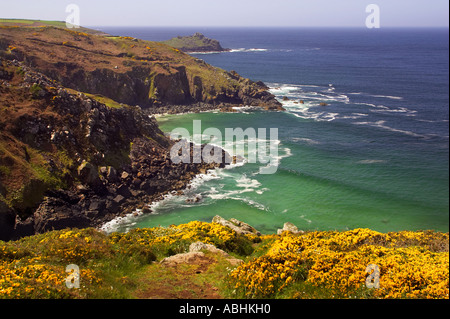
x,y
388,97
254,204
261,191
371,161
205,52
116,223
304,218
392,97
381,124
247,183
407,112
306,140
248,50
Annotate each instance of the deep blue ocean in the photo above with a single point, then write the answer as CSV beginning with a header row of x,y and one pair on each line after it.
x,y
375,155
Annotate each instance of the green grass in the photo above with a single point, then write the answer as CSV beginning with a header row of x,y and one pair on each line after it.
x,y
28,22
20,21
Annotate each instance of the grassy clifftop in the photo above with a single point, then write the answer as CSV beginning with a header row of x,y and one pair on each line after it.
x,y
327,264
127,70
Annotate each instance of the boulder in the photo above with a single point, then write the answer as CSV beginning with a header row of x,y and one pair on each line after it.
x,y
88,174
124,175
112,205
289,227
124,191
111,175
186,258
199,246
118,199
239,227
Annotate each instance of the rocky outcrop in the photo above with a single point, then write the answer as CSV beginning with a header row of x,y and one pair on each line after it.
x,y
238,226
150,175
197,251
195,43
290,228
107,161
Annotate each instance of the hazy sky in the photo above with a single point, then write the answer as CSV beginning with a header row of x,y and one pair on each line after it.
x,y
305,13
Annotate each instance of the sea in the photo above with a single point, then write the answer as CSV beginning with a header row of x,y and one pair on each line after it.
x,y
363,143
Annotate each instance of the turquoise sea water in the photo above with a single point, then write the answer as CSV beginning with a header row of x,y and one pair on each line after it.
x,y
375,156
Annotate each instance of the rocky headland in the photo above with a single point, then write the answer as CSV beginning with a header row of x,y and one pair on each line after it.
x,y
196,43
78,146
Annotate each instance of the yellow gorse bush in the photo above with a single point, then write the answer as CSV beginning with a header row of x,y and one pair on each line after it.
x,y
210,233
412,264
37,269
337,261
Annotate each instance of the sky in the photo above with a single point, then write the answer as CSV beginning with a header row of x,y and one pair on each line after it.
x,y
234,13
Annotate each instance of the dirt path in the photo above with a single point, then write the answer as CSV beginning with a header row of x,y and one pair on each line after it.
x,y
194,280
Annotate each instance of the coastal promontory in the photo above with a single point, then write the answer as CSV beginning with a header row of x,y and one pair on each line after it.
x,y
196,43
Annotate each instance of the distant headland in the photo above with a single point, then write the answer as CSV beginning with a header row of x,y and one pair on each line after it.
x,y
195,43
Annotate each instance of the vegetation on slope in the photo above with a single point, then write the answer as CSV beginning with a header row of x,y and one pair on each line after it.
x,y
326,264
126,69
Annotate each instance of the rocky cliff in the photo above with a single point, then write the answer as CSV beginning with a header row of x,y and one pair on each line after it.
x,y
129,70
67,160
77,147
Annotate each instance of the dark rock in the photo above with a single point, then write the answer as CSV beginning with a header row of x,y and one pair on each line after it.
x,y
112,174
7,221
113,206
87,173
119,199
136,193
91,214
23,228
136,182
98,205
55,214
124,191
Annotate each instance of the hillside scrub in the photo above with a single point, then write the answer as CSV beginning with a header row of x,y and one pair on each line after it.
x,y
319,264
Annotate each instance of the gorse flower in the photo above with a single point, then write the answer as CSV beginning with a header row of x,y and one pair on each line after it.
x,y
411,264
337,261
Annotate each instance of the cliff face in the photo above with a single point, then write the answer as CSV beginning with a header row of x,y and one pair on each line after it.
x,y
128,70
92,162
77,147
